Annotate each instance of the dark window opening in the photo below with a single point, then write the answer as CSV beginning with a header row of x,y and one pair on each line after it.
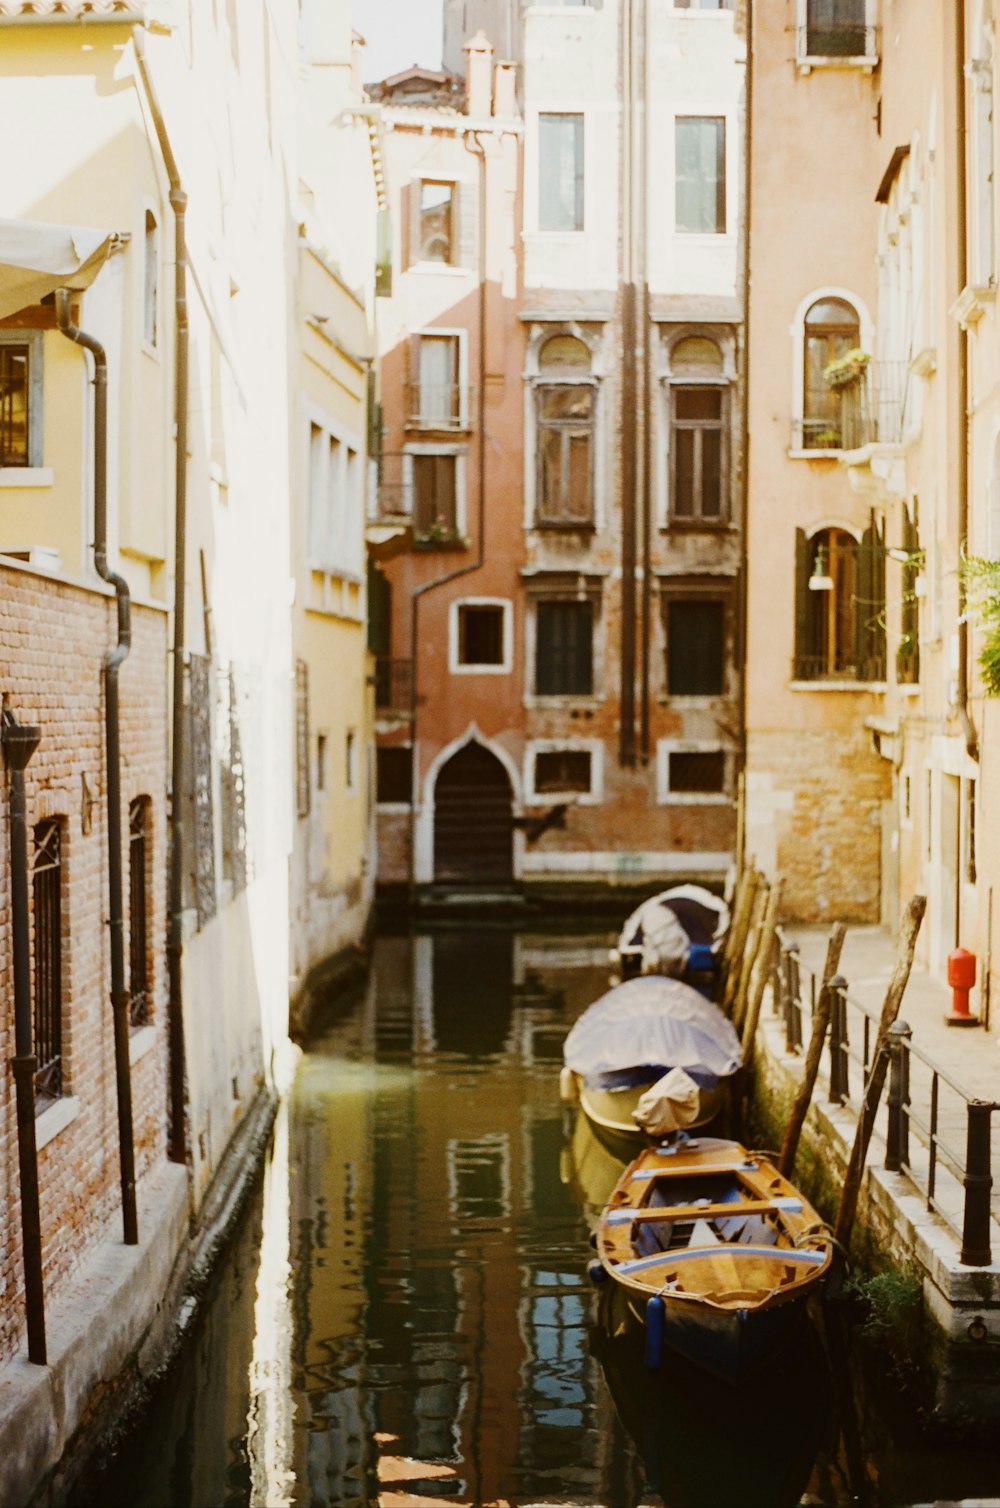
x,y
47,905
394,775
562,770
697,773
480,635
14,371
695,646
434,494
564,651
840,606
138,912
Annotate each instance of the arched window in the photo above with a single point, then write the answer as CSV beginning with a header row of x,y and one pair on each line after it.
x,y
699,415
832,329
565,406
840,606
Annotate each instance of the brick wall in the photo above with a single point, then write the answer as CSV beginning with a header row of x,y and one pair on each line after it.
x,y
53,641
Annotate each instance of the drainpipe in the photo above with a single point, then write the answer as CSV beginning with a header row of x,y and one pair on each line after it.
x,y
19,743
626,742
962,481
112,743
744,431
178,757
474,565
647,407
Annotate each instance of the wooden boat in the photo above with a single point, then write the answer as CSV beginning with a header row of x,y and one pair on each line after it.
x,y
715,1252
629,1040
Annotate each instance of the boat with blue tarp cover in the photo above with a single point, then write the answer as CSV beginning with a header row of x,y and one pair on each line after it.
x,y
648,1057
715,1251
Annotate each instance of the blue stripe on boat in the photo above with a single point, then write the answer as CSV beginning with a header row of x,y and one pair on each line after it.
x,y
787,1254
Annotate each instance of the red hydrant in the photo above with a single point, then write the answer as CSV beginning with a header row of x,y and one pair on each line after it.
x,y
961,977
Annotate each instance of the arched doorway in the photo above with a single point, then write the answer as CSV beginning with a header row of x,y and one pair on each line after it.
x,y
473,819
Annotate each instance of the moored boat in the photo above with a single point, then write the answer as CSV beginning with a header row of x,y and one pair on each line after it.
x,y
650,1056
715,1252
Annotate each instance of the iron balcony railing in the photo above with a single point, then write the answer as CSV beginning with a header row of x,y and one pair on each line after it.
x,y
838,668
438,405
838,39
870,409
948,1157
393,685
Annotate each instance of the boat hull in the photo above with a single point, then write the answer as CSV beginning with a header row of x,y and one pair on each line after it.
x,y
731,1344
610,1113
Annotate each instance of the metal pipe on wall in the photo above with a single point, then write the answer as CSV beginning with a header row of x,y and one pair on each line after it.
x,y
626,739
120,997
962,481
19,743
178,754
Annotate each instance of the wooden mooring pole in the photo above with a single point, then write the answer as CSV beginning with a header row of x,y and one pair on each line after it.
x,y
880,1062
821,1020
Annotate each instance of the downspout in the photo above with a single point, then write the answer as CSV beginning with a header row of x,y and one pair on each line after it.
x,y
626,744
961,243
647,407
112,743
744,523
474,565
178,757
19,743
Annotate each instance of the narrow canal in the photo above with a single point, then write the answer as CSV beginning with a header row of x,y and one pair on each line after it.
x,y
403,1315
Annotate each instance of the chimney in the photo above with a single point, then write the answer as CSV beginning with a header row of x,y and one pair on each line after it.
x,y
478,75
505,90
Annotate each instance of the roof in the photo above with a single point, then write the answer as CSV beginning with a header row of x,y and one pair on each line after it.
x,y
23,12
418,86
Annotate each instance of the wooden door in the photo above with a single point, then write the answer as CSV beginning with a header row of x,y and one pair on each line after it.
x,y
473,819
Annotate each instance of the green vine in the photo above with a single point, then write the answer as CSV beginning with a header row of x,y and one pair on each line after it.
x,y
981,581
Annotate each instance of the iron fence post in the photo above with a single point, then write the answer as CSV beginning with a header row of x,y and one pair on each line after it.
x,y
897,1150
838,1040
976,1250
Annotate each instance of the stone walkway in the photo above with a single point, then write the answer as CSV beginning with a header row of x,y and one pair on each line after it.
x,y
969,1056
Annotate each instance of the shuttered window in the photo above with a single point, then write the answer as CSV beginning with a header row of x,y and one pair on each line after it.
x,y
695,629
839,606
564,633
434,493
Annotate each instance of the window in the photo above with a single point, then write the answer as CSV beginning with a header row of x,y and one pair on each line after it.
x,y
435,494
302,782
350,760
696,772
481,636
970,832
697,454
15,391
700,174
46,882
840,606
836,29
831,330
138,911
436,400
321,759
394,776
560,172
562,770
696,643
564,421
908,650
436,232
151,279
335,519
564,654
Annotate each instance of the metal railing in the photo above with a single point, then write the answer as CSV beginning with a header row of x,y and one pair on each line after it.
x,y
438,405
922,1097
393,685
870,408
838,39
863,668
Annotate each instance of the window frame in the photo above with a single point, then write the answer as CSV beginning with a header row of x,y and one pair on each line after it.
x,y
565,427
553,586
451,260
395,806
461,418
579,228
341,554
561,600
666,797
699,520
797,450
51,1081
592,746
806,60
455,665
35,342
722,205
700,589
430,448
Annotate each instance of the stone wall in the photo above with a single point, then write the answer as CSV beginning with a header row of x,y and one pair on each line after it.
x,y
53,641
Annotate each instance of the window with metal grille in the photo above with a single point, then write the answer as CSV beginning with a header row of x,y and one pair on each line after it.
x,y
562,770
696,773
480,635
14,387
138,911
47,907
695,646
564,652
394,775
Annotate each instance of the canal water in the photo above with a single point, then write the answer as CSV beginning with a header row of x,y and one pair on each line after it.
x,y
403,1315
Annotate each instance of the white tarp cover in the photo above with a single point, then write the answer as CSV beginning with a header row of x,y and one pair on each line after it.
x,y
663,927
37,258
653,1020
670,1104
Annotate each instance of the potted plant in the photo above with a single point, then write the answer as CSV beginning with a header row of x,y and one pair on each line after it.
x,y
844,370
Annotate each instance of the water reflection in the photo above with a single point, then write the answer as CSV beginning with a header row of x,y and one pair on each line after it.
x,y
403,1316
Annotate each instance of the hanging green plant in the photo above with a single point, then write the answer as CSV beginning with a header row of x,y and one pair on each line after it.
x,y
981,580
846,369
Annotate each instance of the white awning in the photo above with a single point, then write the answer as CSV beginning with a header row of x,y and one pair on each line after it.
x,y
36,259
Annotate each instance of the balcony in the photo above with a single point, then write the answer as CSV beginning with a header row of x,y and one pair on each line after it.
x,y
438,405
393,685
869,410
838,667
837,43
